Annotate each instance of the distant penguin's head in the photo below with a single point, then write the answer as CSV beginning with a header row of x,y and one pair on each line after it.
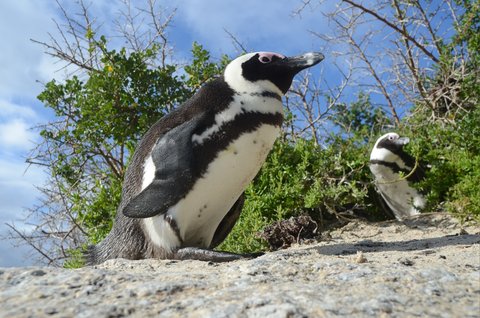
x,y
267,71
388,146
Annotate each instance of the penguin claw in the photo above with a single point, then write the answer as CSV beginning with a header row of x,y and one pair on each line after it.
x,y
199,254
253,255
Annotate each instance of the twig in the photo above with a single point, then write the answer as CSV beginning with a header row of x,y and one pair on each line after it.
x,y
394,27
29,242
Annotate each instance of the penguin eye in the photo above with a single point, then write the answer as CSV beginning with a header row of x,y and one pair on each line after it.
x,y
264,59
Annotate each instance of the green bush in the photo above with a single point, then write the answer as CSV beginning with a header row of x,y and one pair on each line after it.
x,y
452,149
465,195
447,131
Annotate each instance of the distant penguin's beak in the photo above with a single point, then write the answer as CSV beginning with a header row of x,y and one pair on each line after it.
x,y
298,63
402,141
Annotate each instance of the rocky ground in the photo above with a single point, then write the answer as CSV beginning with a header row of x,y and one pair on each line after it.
x,y
425,267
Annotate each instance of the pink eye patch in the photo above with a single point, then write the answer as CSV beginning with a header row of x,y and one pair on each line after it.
x,y
267,57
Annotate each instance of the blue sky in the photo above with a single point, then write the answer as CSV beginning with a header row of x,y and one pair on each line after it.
x,y
260,25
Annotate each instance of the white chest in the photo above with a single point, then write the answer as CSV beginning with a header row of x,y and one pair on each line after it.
x,y
212,196
199,213
403,199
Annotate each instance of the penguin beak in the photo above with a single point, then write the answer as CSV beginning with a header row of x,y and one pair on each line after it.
x,y
402,141
298,63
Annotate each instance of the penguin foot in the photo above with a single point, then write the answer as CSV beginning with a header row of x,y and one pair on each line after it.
x,y
200,254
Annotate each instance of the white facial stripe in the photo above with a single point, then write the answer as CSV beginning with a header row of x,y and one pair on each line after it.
x,y
250,104
394,135
234,78
384,154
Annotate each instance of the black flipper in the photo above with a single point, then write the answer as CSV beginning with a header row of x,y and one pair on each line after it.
x,y
172,156
229,220
199,254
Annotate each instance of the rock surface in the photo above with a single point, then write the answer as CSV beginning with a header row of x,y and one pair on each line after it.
x,y
425,267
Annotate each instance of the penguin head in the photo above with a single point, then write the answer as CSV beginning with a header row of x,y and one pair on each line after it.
x,y
388,147
267,71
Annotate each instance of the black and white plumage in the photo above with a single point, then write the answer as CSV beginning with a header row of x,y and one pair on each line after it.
x,y
183,190
387,160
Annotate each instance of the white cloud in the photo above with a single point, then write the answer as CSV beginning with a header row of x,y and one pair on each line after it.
x,y
16,133
15,127
21,21
9,109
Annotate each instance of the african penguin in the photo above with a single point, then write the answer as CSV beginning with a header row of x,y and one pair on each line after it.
x,y
387,159
183,190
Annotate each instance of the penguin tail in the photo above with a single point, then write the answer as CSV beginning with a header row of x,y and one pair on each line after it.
x,y
90,255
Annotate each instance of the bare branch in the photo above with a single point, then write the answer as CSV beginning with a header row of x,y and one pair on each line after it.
x,y
410,61
237,44
55,52
30,242
426,22
373,72
394,27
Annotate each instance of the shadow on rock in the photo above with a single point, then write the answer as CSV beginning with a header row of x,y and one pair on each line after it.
x,y
410,245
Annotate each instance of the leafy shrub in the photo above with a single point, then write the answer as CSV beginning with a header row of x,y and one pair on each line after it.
x,y
453,151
